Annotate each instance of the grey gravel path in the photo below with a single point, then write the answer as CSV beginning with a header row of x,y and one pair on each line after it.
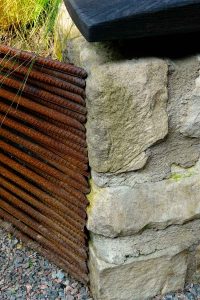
x,y
191,292
25,275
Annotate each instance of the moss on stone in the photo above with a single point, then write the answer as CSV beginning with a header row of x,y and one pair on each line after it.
x,y
180,176
92,196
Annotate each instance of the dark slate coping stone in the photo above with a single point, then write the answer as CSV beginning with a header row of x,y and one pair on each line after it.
x,y
100,20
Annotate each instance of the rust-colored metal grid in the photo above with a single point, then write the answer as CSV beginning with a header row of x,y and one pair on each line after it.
x,y
43,156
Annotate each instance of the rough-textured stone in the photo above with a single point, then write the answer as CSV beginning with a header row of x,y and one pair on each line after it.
x,y
139,279
125,210
126,103
143,181
160,259
176,148
191,123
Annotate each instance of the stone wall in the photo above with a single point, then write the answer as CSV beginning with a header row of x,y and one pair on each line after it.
x,y
143,134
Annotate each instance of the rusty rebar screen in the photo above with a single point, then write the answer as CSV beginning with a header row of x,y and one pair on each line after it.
x,y
43,156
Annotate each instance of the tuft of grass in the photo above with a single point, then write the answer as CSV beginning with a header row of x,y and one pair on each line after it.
x,y
29,25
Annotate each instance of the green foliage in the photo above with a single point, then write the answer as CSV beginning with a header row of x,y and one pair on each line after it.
x,y
29,25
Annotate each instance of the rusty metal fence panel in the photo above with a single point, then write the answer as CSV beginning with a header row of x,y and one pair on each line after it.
x,y
43,156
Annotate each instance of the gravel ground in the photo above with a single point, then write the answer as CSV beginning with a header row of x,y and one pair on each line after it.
x,y
25,275
191,292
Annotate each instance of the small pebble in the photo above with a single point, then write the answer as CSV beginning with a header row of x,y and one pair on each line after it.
x,y
25,275
69,297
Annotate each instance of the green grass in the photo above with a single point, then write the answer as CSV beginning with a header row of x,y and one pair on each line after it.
x,y
29,24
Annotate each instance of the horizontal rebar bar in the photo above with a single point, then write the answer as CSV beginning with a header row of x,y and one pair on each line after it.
x,y
69,139
65,77
18,99
72,109
79,235
19,68
62,213
68,199
46,155
35,230
49,63
59,235
79,117
71,185
57,91
42,139
65,127
38,248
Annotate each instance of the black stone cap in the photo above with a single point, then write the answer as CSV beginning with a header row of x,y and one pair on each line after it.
x,y
100,20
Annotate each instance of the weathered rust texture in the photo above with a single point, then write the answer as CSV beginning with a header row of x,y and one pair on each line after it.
x,y
66,198
66,77
71,185
65,127
18,68
46,155
60,92
30,226
62,214
47,62
43,156
37,247
73,233
41,109
67,138
60,235
44,140
49,97
61,109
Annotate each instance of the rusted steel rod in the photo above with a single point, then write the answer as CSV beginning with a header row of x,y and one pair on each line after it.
x,y
59,235
65,77
49,63
84,171
57,91
70,185
64,162
42,139
25,87
79,235
41,109
68,199
60,183
62,213
65,127
80,117
75,142
32,73
33,229
75,236
45,154
51,256
39,249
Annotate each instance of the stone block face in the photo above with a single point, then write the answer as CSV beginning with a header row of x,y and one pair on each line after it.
x,y
129,99
191,122
111,282
143,134
126,103
125,210
144,265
